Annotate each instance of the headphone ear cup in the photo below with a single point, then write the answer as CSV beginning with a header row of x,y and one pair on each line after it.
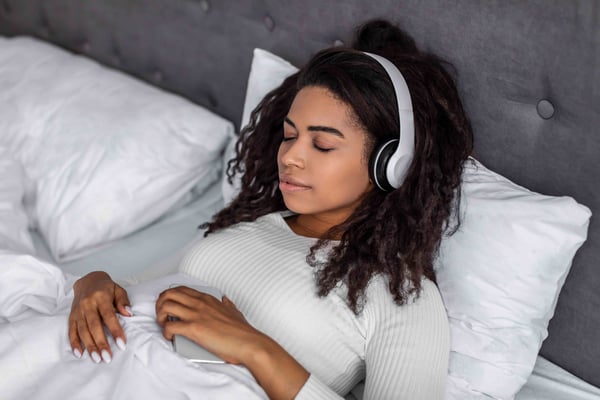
x,y
378,164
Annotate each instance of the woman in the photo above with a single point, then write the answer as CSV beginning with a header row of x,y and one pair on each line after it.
x,y
332,277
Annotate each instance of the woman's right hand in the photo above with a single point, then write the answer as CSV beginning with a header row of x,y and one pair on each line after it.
x,y
96,300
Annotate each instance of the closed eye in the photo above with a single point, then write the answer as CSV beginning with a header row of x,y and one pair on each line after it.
x,y
316,146
322,149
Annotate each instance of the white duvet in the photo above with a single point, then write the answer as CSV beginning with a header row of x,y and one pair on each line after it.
x,y
36,361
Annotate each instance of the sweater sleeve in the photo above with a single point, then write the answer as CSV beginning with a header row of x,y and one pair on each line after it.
x,y
407,347
314,389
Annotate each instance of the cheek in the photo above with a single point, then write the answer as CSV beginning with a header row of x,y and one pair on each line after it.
x,y
353,177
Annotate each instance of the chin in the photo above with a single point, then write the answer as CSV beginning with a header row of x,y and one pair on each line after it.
x,y
294,206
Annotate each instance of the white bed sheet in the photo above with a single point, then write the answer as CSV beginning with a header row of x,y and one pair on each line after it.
x,y
547,382
550,382
36,361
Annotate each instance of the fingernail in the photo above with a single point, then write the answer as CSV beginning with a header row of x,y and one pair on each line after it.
x,y
129,310
96,357
120,344
106,357
77,353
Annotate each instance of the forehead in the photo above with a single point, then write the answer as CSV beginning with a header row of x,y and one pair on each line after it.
x,y
315,105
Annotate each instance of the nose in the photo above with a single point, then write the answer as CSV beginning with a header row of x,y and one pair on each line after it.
x,y
291,153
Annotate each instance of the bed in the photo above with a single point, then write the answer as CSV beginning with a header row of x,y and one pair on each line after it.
x,y
529,75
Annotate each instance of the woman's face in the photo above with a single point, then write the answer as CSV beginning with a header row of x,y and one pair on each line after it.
x,y
322,168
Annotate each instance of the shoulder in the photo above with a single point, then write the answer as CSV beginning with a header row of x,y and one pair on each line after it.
x,y
378,294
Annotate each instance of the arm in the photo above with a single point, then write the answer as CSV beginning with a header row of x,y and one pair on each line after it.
x,y
407,348
96,297
222,329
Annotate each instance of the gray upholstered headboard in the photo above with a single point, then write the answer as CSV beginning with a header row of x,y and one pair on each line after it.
x,y
529,72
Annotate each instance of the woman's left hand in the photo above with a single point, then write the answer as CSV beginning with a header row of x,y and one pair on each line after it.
x,y
221,328
216,325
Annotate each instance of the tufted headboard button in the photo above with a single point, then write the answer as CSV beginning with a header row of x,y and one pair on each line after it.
x,y
205,6
269,23
45,26
115,59
44,29
157,76
85,47
545,109
212,101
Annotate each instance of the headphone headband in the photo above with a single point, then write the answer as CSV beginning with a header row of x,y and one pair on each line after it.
x,y
395,167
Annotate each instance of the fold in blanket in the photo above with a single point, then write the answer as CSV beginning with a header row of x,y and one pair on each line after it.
x,y
36,361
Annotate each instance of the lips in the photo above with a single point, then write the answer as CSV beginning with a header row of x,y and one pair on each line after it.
x,y
289,184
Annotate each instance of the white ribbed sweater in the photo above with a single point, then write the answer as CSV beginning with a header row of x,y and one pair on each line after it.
x,y
400,351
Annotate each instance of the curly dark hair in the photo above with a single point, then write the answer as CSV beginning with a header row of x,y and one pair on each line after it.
x,y
395,234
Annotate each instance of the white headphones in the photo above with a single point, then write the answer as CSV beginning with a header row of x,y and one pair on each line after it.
x,y
390,160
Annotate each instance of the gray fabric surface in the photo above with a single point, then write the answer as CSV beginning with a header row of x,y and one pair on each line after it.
x,y
528,70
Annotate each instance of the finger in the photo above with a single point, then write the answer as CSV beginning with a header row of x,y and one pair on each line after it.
x,y
96,331
88,341
187,296
172,328
74,337
194,331
184,291
174,295
122,303
171,290
114,326
170,308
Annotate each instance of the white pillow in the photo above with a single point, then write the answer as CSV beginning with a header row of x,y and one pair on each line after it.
x,y
266,73
105,154
14,235
499,275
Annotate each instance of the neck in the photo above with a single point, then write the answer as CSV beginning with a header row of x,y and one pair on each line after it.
x,y
310,226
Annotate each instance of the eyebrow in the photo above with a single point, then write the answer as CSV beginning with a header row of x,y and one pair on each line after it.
x,y
316,128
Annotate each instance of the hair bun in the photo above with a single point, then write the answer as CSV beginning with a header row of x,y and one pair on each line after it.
x,y
380,35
